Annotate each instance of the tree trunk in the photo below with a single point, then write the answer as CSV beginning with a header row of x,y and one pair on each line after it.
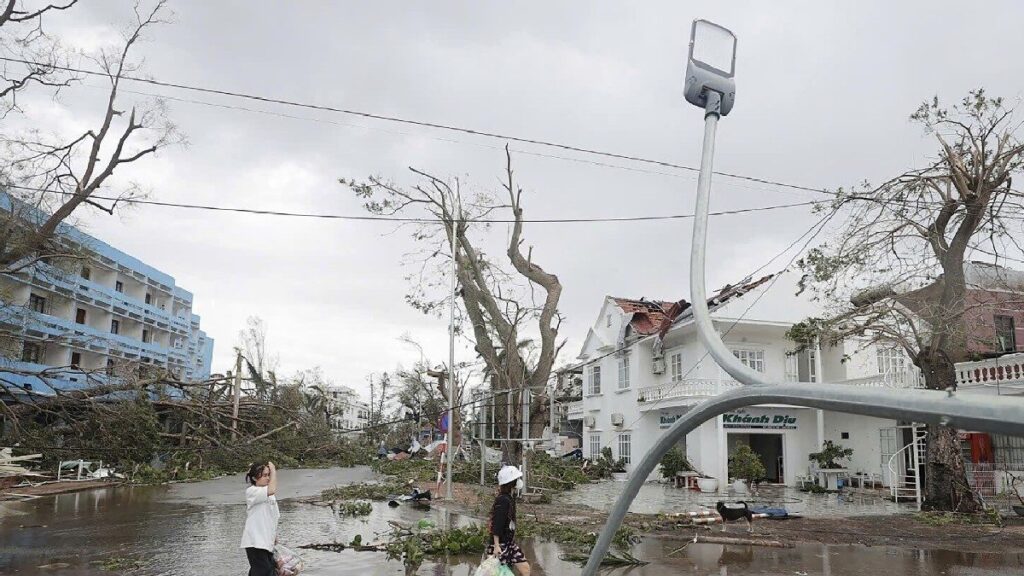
x,y
945,481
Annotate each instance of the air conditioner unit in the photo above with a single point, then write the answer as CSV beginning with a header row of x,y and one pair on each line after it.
x,y
617,419
589,421
658,366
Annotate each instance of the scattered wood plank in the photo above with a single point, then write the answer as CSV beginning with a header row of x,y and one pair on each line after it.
x,y
701,539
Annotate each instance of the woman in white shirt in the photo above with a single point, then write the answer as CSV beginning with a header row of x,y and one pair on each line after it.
x,y
260,533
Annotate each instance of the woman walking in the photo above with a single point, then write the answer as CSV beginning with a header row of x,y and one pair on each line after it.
x,y
503,522
260,533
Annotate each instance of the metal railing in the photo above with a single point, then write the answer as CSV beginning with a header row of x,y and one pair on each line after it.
x,y
899,478
896,379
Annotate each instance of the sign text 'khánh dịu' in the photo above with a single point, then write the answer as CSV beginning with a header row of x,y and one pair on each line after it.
x,y
763,421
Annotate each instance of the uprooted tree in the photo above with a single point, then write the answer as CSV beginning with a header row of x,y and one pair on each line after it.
x,y
136,413
895,274
47,177
503,303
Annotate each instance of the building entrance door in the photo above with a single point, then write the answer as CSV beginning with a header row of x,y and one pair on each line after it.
x,y
769,448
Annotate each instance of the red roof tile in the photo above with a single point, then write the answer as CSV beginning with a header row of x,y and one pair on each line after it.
x,y
653,316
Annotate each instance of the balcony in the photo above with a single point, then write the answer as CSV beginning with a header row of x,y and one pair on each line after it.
x,y
690,391
911,378
1005,372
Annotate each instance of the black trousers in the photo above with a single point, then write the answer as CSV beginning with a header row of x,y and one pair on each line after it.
x,y
261,562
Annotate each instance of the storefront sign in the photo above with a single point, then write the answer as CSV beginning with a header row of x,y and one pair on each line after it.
x,y
667,420
760,421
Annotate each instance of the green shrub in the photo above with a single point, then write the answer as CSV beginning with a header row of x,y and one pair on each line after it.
x,y
674,461
745,464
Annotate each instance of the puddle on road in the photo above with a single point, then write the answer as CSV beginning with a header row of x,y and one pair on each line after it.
x,y
195,529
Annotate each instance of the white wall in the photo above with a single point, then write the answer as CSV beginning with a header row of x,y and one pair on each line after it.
x,y
864,439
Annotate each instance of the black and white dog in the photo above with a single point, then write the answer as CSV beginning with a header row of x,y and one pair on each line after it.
x,y
730,514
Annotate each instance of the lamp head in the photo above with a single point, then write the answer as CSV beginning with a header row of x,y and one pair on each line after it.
x,y
711,66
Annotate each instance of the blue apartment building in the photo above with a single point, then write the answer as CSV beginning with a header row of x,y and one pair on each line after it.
x,y
94,314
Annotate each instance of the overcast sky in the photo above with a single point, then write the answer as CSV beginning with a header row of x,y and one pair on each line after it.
x,y
824,91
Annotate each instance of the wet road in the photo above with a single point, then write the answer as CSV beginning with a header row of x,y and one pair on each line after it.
x,y
188,529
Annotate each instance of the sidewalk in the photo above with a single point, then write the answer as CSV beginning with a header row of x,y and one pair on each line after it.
x,y
655,498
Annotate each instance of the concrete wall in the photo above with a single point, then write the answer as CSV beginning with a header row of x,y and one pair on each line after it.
x,y
863,438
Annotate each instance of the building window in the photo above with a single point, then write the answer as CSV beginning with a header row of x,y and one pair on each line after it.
x,y
608,320
1006,337
753,359
80,316
118,286
625,450
32,352
676,361
86,273
149,298
76,359
115,327
595,379
891,359
37,303
624,373
1008,451
146,336
595,445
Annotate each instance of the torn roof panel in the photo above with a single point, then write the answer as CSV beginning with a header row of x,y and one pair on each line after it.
x,y
657,316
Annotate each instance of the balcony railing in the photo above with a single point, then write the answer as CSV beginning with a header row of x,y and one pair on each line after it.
x,y
692,388
897,379
1004,371
575,410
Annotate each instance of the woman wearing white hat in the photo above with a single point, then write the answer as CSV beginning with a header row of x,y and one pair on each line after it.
x,y
503,522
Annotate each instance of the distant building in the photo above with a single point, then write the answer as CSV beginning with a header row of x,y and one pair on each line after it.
x,y
105,310
348,413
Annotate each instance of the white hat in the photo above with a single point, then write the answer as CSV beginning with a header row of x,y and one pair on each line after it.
x,y
508,474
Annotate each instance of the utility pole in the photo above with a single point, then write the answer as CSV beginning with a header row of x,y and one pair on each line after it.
x,y
451,347
237,394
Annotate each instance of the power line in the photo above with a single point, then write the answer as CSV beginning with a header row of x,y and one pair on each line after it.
x,y
413,220
420,123
522,151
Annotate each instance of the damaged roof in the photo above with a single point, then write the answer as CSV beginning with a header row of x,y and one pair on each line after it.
x,y
657,316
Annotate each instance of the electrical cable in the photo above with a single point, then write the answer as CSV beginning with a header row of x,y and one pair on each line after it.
x,y
412,122
413,220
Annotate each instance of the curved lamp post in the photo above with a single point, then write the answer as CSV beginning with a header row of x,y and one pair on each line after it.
x,y
710,86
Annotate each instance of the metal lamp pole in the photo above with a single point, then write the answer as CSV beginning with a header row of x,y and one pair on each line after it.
x,y
711,88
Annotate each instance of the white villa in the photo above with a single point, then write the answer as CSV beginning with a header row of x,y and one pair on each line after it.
x,y
642,366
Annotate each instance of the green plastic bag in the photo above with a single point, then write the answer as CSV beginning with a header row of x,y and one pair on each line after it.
x,y
504,570
488,567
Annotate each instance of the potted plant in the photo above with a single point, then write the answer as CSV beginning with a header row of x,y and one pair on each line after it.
x,y
746,467
617,468
673,462
706,483
828,458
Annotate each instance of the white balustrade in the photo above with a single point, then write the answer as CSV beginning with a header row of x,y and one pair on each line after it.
x,y
1005,370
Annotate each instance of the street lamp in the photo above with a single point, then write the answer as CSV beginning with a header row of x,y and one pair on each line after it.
x,y
710,84
710,68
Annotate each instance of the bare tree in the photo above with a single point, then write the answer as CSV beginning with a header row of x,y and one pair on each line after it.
x,y
32,57
252,342
895,274
48,177
501,305
380,395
